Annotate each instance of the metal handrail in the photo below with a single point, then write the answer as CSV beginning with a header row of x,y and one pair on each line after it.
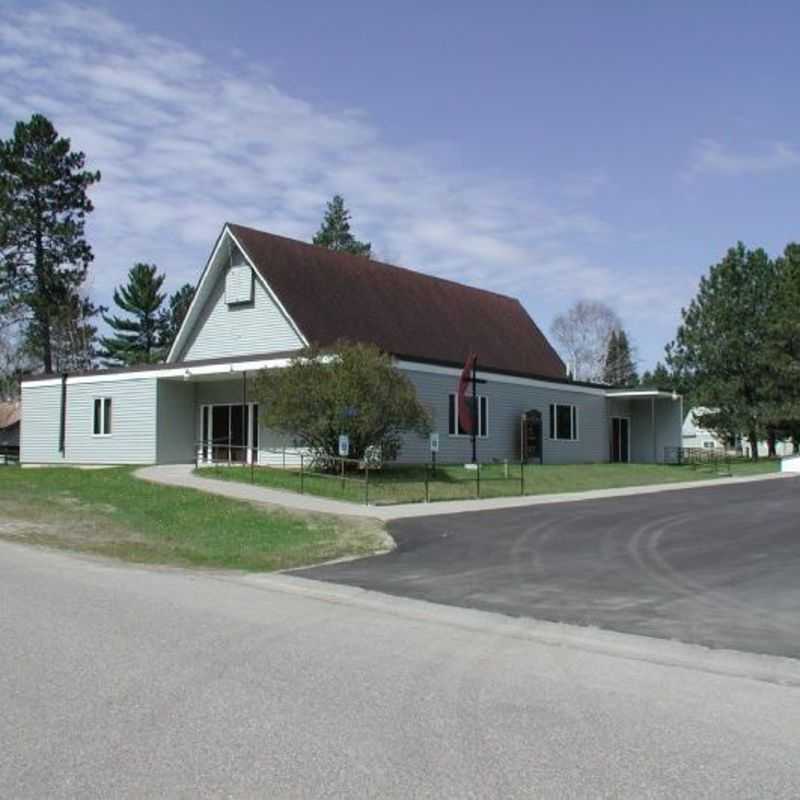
x,y
309,466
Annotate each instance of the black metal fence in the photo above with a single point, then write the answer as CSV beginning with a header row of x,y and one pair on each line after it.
x,y
714,459
364,480
9,454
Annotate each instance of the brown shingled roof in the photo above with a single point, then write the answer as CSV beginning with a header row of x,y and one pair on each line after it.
x,y
333,296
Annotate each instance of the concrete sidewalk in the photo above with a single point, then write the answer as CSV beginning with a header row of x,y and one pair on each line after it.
x,y
183,475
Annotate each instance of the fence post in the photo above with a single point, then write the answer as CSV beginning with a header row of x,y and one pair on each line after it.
x,y
522,477
478,480
366,483
252,469
427,488
302,459
342,474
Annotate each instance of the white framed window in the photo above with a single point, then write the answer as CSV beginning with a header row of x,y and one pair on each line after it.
x,y
101,420
564,422
454,424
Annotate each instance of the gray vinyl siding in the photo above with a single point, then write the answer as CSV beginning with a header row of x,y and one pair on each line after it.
x,y
239,330
41,424
177,422
133,423
507,403
645,447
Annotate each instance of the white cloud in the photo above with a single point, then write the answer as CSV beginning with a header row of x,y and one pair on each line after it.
x,y
185,144
711,156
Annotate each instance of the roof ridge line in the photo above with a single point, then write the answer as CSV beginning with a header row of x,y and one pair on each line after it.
x,y
375,261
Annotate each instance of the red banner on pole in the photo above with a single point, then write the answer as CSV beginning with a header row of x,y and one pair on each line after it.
x,y
466,418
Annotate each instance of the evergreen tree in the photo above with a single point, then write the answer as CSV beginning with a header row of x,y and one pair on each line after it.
x,y
44,256
784,347
723,345
660,378
610,365
784,333
334,233
137,338
619,369
172,317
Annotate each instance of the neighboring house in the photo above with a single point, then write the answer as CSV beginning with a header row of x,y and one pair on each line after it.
x,y
695,435
9,431
262,298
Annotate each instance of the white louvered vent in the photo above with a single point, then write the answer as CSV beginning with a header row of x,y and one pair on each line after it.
x,y
239,285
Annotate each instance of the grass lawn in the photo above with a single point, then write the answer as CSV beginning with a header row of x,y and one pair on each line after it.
x,y
406,484
110,512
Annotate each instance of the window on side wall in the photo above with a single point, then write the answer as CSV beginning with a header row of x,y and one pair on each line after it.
x,y
102,416
454,424
564,422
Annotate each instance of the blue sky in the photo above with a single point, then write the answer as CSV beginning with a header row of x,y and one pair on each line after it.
x,y
553,151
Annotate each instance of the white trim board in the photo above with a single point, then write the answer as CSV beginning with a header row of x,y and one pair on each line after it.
x,y
176,372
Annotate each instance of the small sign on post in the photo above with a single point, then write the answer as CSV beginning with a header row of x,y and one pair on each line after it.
x,y
435,442
344,445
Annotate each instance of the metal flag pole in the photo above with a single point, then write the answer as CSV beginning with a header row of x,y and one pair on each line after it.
x,y
475,410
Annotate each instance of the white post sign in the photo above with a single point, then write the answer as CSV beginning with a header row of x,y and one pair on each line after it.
x,y
435,442
344,445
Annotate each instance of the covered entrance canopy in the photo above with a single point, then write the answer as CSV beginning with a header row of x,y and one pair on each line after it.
x,y
642,423
210,412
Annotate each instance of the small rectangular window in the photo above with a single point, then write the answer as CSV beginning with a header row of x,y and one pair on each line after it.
x,y
454,427
101,425
563,422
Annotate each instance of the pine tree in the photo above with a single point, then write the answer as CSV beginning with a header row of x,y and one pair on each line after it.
x,y
723,347
612,355
137,338
172,317
626,368
619,368
784,345
334,233
44,256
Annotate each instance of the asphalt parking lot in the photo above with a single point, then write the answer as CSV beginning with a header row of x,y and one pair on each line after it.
x,y
714,566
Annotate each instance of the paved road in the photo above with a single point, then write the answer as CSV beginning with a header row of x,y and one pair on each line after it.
x,y
118,682
717,566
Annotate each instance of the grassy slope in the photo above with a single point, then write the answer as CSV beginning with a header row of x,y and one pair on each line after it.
x,y
407,484
110,512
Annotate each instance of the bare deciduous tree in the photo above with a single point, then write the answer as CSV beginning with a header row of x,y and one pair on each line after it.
x,y
582,335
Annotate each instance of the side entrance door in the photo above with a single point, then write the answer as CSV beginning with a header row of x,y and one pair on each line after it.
x,y
620,440
531,436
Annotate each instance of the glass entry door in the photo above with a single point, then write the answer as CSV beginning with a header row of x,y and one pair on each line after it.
x,y
228,433
620,440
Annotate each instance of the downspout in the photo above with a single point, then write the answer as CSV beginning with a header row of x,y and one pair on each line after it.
x,y
62,431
